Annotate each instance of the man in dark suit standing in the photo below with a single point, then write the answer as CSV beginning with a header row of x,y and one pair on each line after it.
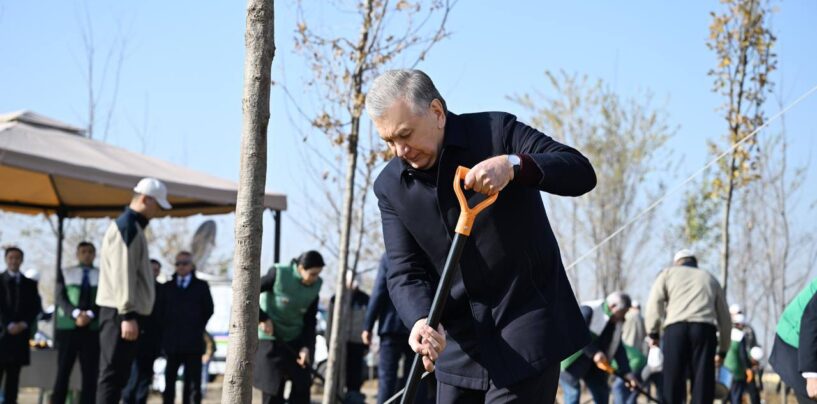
x,y
511,315
393,339
19,306
150,347
188,306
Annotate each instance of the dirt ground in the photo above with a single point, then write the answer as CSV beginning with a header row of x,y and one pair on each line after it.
x,y
213,396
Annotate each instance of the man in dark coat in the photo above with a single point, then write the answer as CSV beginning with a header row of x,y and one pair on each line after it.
x,y
19,306
187,306
393,339
511,315
150,348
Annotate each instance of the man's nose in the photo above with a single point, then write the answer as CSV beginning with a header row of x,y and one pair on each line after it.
x,y
401,149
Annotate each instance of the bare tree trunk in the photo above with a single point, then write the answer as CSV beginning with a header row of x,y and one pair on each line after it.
x,y
727,210
260,49
337,354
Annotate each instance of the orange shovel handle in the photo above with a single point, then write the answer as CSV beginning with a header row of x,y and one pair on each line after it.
x,y
468,214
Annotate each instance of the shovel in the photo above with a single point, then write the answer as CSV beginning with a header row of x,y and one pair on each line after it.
x,y
462,231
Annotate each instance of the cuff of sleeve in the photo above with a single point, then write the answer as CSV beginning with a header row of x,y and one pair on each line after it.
x,y
90,314
529,173
76,313
809,375
131,315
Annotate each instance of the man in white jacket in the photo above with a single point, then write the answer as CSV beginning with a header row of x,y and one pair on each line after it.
x,y
126,290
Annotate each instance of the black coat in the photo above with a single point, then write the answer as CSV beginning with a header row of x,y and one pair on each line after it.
x,y
184,316
25,307
511,313
150,337
381,308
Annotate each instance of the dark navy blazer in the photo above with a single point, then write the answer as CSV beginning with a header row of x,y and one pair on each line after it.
x,y
511,312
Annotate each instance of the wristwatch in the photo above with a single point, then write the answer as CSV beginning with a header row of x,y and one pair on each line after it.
x,y
516,164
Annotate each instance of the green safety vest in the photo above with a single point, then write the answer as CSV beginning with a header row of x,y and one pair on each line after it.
x,y
732,360
288,302
788,329
72,278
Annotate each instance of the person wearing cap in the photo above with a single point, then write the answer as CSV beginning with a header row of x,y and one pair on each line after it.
x,y
687,305
794,353
737,359
187,306
77,325
126,290
604,318
753,386
19,306
355,346
286,329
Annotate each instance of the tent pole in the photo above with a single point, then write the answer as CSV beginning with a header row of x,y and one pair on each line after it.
x,y
276,214
60,238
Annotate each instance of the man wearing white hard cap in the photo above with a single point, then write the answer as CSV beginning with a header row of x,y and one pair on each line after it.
x,y
126,291
687,305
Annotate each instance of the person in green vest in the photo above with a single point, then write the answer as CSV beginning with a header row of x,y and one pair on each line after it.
x,y
794,353
737,359
286,330
604,318
77,325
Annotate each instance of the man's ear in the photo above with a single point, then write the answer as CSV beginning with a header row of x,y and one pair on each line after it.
x,y
439,112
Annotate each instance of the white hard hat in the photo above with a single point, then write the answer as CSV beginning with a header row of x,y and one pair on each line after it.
x,y
685,253
155,189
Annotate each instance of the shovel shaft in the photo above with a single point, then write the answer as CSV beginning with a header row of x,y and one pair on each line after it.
x,y
440,297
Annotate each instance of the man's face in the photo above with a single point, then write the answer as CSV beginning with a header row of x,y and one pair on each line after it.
x,y
309,275
156,268
86,255
13,261
619,313
184,264
152,207
415,138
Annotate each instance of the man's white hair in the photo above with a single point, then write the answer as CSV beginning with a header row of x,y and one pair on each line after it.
x,y
411,85
619,299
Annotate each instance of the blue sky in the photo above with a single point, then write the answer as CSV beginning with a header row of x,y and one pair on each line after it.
x,y
184,62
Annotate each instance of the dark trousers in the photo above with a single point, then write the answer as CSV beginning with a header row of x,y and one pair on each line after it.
x,y
11,374
141,376
192,378
115,357
392,348
736,391
82,343
689,350
753,391
537,389
354,366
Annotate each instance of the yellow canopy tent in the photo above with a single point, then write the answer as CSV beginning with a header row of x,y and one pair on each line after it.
x,y
49,167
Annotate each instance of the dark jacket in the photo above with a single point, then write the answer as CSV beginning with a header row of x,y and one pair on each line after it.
x,y
185,315
381,308
584,362
18,302
356,317
150,338
807,352
511,313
